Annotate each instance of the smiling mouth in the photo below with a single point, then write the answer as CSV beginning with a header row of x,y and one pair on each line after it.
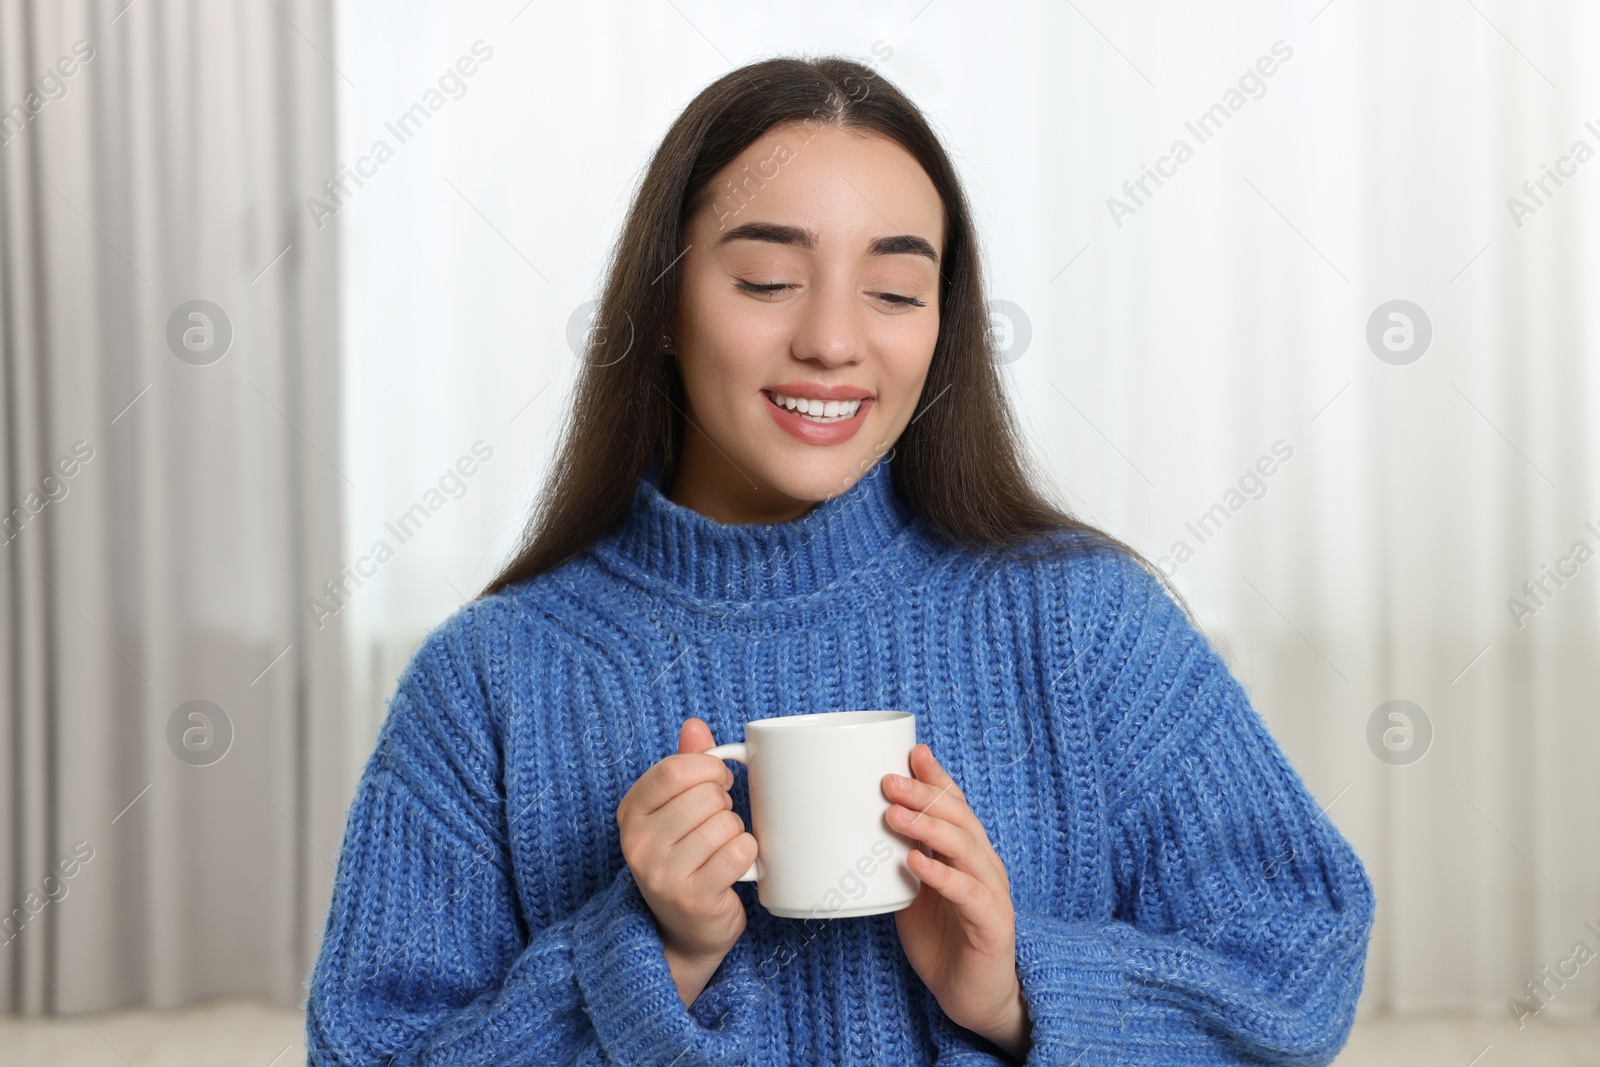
x,y
817,410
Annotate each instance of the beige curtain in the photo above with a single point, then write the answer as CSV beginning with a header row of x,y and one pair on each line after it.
x,y
171,748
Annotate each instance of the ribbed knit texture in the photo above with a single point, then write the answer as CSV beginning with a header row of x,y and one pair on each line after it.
x,y
1179,898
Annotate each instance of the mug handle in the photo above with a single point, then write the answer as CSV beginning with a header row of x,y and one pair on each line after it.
x,y
739,752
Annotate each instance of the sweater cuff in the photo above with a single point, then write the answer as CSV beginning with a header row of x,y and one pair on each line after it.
x,y
632,1001
957,1046
1075,979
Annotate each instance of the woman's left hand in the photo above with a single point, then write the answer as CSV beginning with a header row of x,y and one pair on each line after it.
x,y
960,934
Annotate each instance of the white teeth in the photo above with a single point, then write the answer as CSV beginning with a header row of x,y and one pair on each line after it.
x,y
818,410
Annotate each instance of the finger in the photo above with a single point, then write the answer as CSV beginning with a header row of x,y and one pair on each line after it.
x,y
728,863
942,796
954,843
923,796
948,800
941,835
695,736
678,818
973,900
695,856
678,774
932,773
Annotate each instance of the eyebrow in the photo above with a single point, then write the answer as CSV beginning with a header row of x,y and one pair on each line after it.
x,y
778,233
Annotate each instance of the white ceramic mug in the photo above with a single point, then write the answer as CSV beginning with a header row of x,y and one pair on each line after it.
x,y
819,814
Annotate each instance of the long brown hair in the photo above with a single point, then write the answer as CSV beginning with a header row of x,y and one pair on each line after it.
x,y
958,464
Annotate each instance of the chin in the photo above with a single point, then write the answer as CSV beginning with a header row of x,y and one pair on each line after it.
x,y
819,478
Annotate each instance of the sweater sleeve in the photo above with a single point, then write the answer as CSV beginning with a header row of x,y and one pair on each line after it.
x,y
1243,915
954,1044
426,956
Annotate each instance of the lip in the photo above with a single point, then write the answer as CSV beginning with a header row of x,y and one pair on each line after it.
x,y
818,433
819,391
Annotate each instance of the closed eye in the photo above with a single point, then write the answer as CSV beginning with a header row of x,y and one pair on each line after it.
x,y
888,298
752,287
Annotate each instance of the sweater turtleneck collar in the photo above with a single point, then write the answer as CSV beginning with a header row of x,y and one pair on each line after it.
x,y
664,542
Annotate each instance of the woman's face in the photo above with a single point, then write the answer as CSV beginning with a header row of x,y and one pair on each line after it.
x,y
818,279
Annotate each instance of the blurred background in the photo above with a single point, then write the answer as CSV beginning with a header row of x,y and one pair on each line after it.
x,y
1297,298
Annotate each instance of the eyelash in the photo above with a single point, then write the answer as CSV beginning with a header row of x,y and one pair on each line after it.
x,y
903,301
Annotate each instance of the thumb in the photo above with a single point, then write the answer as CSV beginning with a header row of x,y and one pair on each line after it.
x,y
695,736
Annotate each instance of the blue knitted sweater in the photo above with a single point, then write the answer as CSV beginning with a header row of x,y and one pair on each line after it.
x,y
1179,897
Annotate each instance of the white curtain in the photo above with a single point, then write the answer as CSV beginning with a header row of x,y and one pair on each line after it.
x,y
171,751
1201,350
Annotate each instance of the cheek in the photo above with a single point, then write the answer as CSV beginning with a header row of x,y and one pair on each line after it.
x,y
727,356
907,353
747,329
722,318
905,358
719,340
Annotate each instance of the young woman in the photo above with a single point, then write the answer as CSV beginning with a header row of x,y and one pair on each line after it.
x,y
791,483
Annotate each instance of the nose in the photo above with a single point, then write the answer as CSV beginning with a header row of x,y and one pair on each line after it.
x,y
829,331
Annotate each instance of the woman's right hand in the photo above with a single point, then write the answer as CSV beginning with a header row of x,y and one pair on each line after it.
x,y
686,847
